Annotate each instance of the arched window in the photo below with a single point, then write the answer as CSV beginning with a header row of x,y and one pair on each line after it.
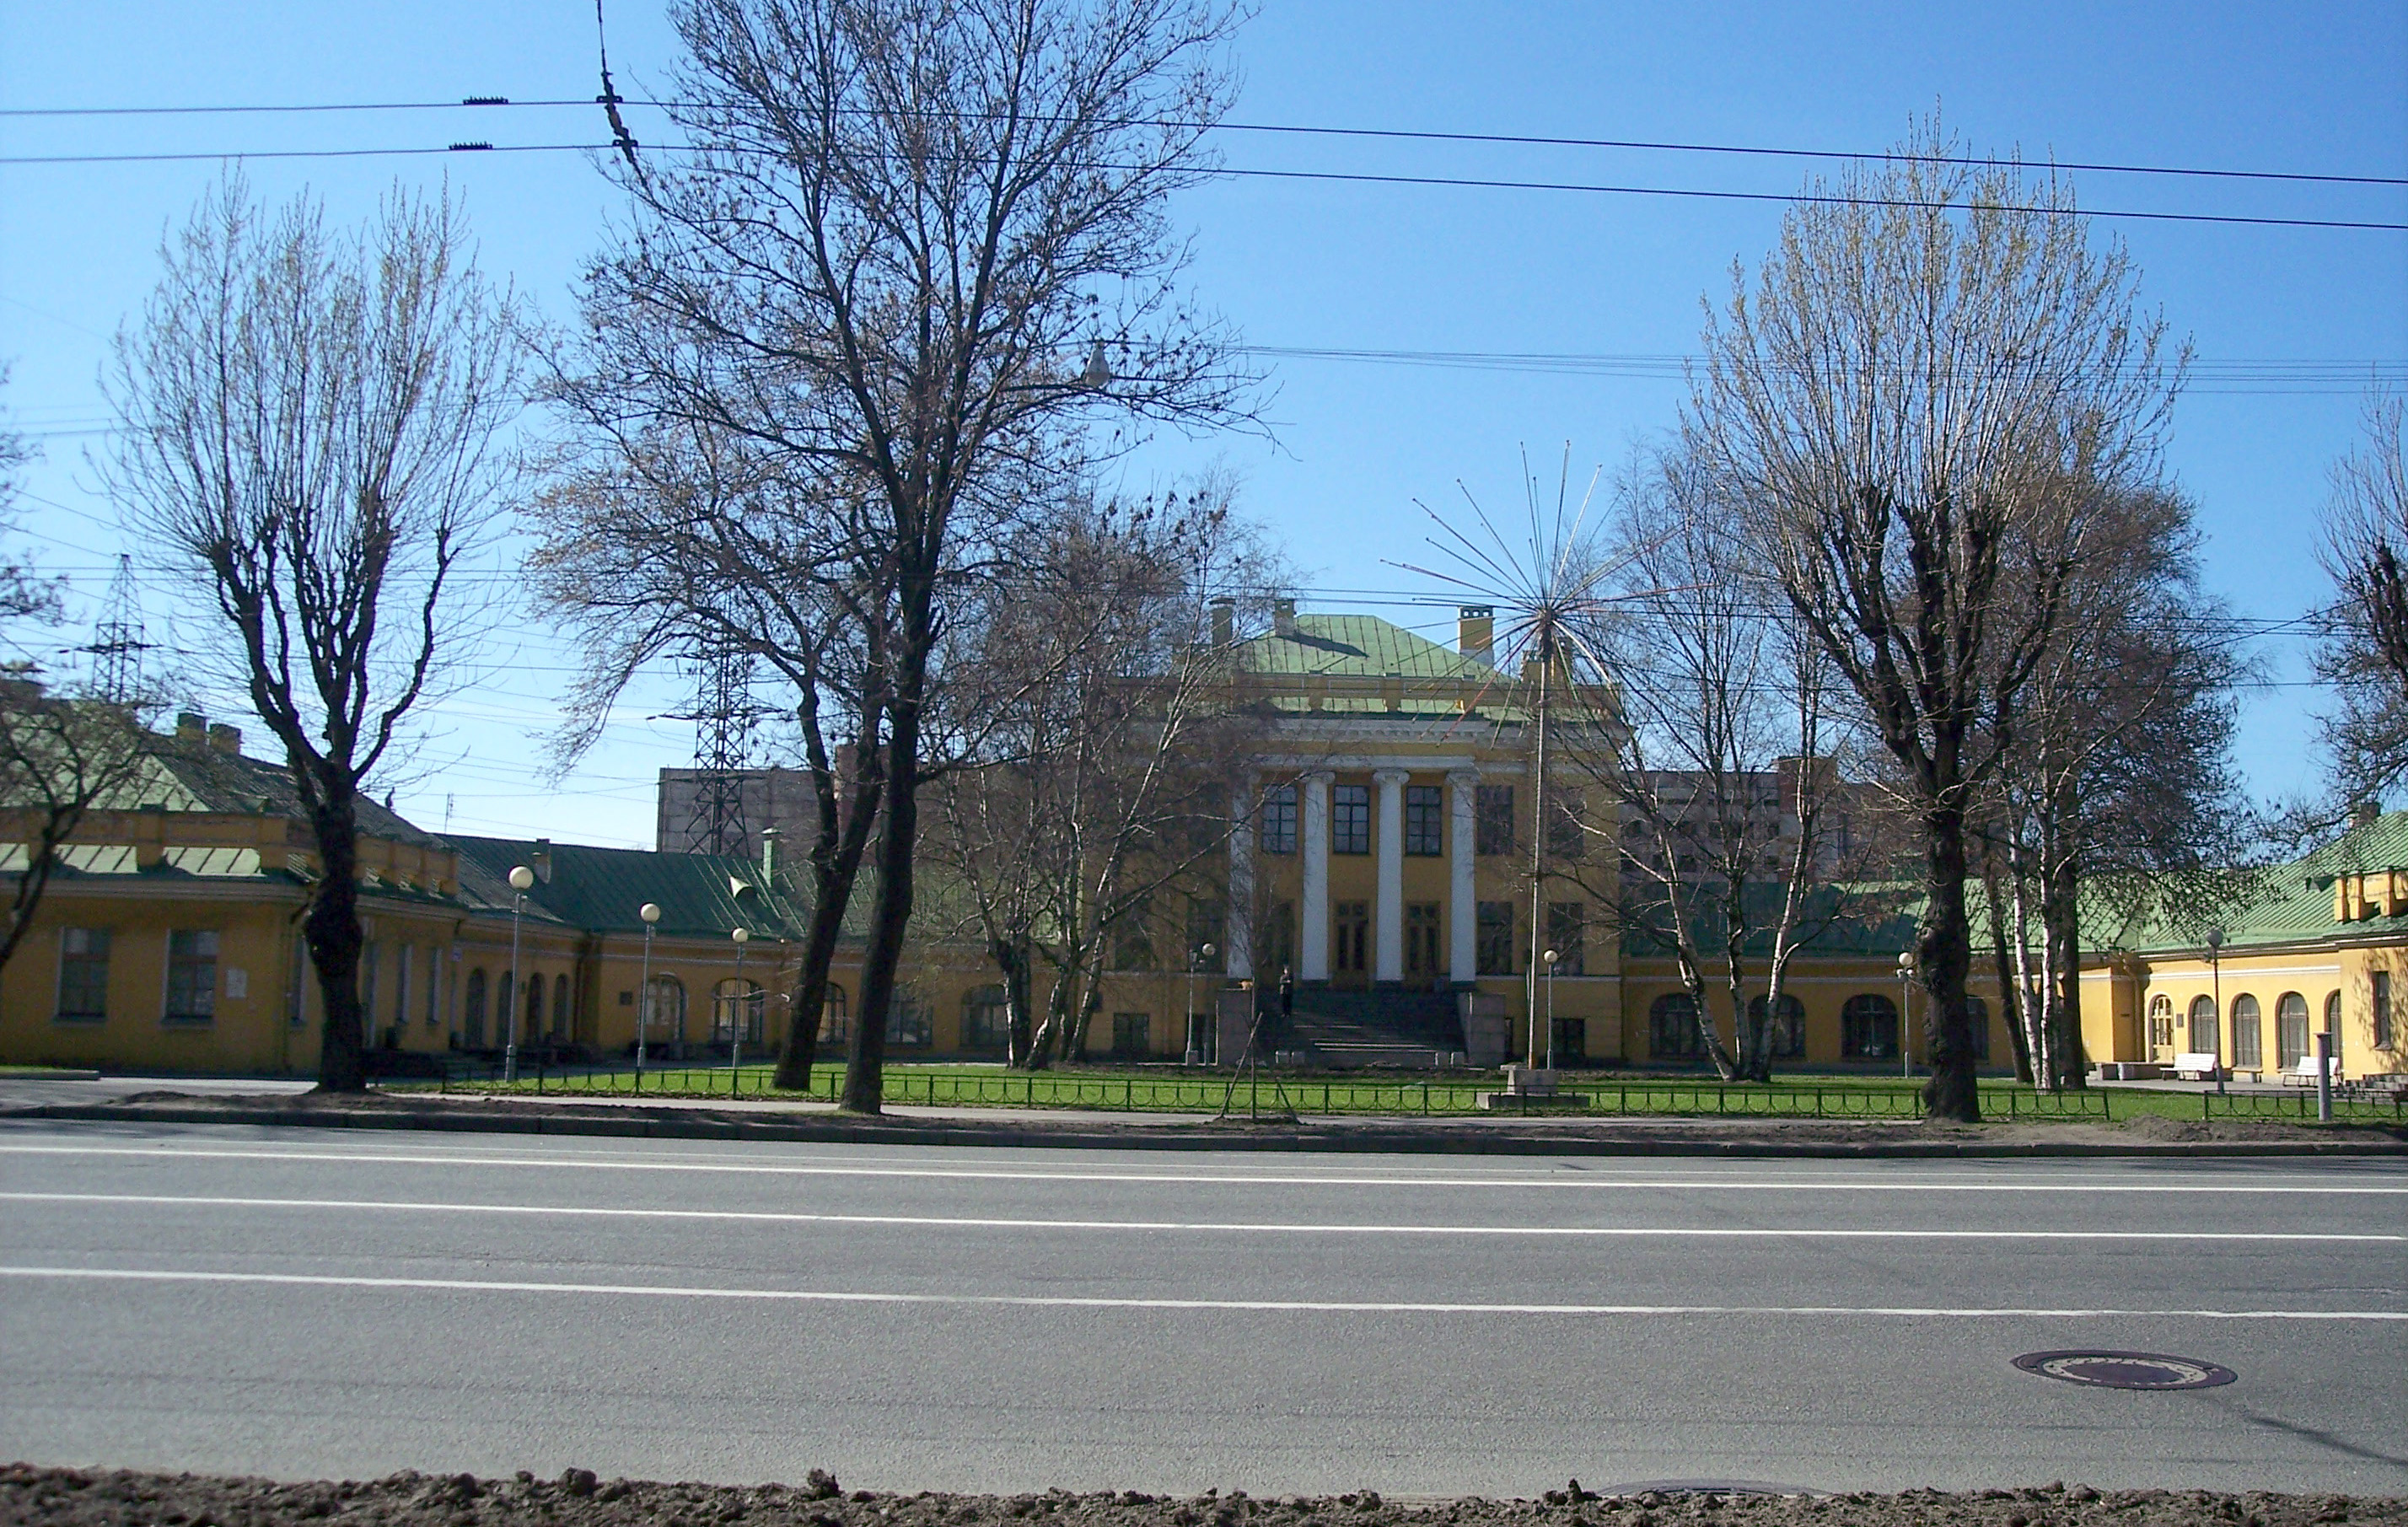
x,y
1672,1029
986,1020
732,1002
559,1006
2290,1029
472,1015
1977,1018
665,1008
2203,1027
906,1017
1788,1037
535,1007
2333,1019
2161,1023
835,1021
1869,1028
2247,1053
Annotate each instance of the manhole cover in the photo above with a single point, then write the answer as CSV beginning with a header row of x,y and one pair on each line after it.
x,y
2125,1370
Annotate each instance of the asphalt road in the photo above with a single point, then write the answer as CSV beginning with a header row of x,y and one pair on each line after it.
x,y
296,1302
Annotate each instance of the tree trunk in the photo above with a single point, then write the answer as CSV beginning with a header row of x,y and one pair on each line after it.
x,y
332,927
835,869
1942,960
2061,926
1013,957
2010,994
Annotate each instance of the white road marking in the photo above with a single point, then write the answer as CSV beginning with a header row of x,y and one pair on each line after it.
x,y
1235,1226
1305,1306
2289,1185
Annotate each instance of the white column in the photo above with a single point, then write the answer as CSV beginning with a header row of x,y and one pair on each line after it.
x,y
1313,948
1462,903
1238,937
1388,909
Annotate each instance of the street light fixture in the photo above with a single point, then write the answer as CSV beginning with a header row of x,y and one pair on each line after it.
x,y
1905,1007
521,879
743,1011
2215,974
1551,957
650,913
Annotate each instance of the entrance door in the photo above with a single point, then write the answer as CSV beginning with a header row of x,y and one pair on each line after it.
x,y
1423,965
1350,941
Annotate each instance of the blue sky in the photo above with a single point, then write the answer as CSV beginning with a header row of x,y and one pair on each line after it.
x,y
1316,265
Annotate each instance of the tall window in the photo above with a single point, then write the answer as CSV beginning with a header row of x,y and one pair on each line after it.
x,y
1132,1035
1566,839
2247,1054
401,985
192,976
83,973
1788,1036
1425,820
1421,940
1571,1040
1493,820
665,1008
1567,936
535,1007
472,1020
906,1017
1350,819
2161,1022
1275,945
1672,1031
1495,948
734,1003
1977,1018
1208,922
1351,925
434,985
2203,1027
1869,1028
2382,1011
1133,937
986,1020
2290,1029
1279,820
835,1022
560,1006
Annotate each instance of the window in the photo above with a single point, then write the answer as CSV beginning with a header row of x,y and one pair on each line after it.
x,y
1351,925
665,1007
2332,1017
734,1002
1421,940
1279,820
1787,1041
2203,1027
1208,922
472,1023
1275,943
401,985
1494,949
1977,1021
2290,1029
84,972
192,976
986,1020
1493,820
434,984
1425,820
1869,1028
2161,1022
1567,936
1566,839
1571,1040
835,1022
560,1014
1672,1031
2248,1053
1350,819
906,1017
534,997
1132,1035
2382,1011
1133,939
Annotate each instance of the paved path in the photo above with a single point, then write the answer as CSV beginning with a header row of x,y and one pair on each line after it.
x,y
297,1302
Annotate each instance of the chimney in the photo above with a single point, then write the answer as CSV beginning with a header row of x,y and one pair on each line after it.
x,y
1283,616
1224,621
2365,813
225,739
190,727
540,860
1475,631
770,853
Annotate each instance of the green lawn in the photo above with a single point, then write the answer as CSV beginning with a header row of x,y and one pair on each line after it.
x,y
1157,1090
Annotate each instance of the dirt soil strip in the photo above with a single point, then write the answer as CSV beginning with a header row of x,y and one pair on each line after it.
x,y
40,1497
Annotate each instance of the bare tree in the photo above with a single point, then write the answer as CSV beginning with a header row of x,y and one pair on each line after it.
x,y
1935,368
309,426
62,756
2365,657
912,248
23,595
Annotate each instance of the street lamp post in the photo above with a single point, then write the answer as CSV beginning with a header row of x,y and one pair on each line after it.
x,y
521,878
650,913
1203,956
743,1011
1905,1008
2215,976
1550,957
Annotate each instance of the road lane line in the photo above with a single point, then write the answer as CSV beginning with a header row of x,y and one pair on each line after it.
x,y
1237,1226
1305,1306
2292,1185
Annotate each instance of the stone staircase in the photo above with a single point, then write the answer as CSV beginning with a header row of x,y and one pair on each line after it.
x,y
1348,1030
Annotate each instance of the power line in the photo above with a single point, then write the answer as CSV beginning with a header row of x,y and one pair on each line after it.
x,y
1336,177
1308,130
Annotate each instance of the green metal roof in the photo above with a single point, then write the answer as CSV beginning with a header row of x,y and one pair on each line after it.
x,y
600,889
1359,647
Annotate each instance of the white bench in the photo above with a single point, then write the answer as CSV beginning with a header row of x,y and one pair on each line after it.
x,y
2197,1066
2302,1073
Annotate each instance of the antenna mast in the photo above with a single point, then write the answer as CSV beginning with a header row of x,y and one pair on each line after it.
x,y
117,644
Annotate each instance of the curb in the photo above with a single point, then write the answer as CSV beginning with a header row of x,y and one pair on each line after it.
x,y
1340,1138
